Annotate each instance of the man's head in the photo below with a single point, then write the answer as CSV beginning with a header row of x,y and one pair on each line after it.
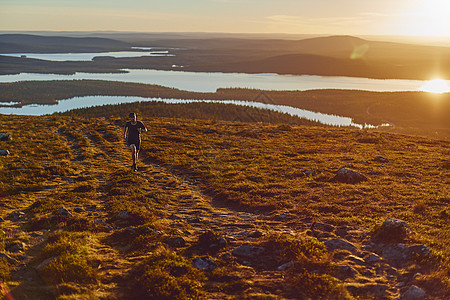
x,y
132,116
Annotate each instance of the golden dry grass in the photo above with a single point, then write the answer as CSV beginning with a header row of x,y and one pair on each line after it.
x,y
194,167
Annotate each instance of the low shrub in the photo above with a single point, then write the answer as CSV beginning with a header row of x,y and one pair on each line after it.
x,y
69,268
166,275
70,263
290,248
303,284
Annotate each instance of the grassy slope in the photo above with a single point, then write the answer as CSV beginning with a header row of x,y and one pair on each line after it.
x,y
74,162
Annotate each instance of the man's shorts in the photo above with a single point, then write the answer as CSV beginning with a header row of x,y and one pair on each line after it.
x,y
137,144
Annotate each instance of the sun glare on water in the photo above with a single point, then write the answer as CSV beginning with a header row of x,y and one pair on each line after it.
x,y
436,86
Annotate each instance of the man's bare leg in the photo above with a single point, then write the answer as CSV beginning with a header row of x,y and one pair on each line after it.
x,y
133,154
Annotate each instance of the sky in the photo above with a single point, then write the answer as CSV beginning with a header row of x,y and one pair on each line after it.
x,y
361,17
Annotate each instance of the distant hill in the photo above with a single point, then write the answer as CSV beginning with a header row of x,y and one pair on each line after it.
x,y
17,43
296,64
333,55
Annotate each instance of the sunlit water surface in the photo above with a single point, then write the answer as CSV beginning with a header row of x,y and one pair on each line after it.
x,y
88,101
210,82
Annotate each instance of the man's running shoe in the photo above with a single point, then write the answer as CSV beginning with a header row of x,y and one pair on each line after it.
x,y
134,167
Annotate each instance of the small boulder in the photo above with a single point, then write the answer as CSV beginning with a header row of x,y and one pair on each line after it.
x,y
62,211
345,175
122,215
322,227
5,137
414,293
393,230
204,263
344,272
4,152
372,258
401,254
256,234
177,242
286,266
338,243
381,159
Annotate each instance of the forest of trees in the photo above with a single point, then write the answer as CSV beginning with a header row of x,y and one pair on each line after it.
x,y
197,110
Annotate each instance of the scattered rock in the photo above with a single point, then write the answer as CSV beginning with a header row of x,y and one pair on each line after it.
x,y
2,220
400,254
122,215
322,227
309,172
256,234
64,211
247,251
286,266
281,216
177,242
345,175
5,137
338,243
204,263
4,152
344,272
381,159
372,258
393,230
283,127
414,293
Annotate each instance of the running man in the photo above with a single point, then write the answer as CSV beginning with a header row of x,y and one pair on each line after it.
x,y
132,134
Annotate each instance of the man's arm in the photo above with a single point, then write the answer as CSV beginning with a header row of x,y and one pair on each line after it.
x,y
125,132
142,127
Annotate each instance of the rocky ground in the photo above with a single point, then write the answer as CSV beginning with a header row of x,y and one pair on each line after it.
x,y
370,264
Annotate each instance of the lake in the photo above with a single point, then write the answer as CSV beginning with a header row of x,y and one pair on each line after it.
x,y
87,101
210,82
201,82
89,56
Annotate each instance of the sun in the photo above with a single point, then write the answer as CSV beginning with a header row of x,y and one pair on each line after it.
x,y
435,86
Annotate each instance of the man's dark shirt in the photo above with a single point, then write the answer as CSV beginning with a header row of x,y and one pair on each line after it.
x,y
133,133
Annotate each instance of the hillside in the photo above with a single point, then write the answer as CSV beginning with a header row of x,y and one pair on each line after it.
x,y
219,210
334,55
27,43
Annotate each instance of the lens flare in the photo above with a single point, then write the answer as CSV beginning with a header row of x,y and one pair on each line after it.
x,y
435,86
